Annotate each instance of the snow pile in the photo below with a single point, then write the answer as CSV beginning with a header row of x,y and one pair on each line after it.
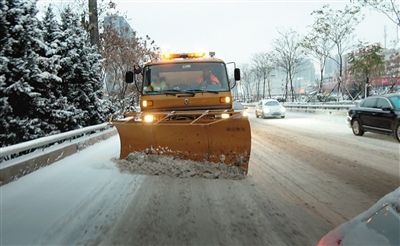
x,y
153,164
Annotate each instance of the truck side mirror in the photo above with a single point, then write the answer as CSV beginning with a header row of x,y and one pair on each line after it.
x,y
129,77
237,74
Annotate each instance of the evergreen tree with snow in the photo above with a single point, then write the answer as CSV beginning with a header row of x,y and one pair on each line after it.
x,y
21,84
81,71
59,112
5,108
49,74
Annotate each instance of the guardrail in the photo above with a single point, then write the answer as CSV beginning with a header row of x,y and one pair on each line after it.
x,y
319,106
312,107
6,152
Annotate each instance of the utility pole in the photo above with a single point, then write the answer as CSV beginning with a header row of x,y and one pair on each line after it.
x,y
384,36
93,23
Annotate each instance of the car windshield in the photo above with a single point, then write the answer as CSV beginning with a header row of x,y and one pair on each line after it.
x,y
185,77
271,103
395,100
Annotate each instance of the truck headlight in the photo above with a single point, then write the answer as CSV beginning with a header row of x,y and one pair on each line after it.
x,y
148,118
225,99
147,103
224,116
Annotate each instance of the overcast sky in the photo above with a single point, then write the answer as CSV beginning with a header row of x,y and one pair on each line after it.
x,y
235,30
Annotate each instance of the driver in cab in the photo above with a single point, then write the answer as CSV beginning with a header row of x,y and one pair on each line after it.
x,y
157,83
208,78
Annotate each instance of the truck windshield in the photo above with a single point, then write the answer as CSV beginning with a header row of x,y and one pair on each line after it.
x,y
185,77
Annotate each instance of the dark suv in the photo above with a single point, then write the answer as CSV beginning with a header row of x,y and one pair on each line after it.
x,y
379,114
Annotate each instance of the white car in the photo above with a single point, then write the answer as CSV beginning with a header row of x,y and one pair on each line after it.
x,y
270,108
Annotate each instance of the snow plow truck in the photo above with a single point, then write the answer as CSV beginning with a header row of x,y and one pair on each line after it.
x,y
186,112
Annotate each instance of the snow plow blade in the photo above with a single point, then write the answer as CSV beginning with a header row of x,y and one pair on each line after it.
x,y
195,135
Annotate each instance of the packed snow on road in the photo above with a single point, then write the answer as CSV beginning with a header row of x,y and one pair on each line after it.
x,y
153,164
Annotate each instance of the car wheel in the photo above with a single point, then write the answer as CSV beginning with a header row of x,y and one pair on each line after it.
x,y
262,115
282,116
397,132
356,127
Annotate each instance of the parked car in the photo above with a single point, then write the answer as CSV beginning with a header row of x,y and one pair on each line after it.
x,y
380,114
379,225
270,108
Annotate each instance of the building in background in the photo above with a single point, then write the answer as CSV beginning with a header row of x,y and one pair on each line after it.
x,y
120,25
116,64
331,68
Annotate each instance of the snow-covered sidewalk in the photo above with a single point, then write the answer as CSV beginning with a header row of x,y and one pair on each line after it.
x,y
85,189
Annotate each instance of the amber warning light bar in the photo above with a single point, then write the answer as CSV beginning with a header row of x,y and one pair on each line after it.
x,y
169,56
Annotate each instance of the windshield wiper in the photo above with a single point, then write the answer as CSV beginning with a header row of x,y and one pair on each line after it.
x,y
170,92
198,90
174,92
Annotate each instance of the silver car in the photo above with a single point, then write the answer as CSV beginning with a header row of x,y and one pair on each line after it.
x,y
379,225
270,108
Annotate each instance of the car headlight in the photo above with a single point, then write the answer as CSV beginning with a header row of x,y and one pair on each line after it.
x,y
266,110
283,109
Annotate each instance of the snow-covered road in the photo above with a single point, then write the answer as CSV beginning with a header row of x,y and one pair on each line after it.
x,y
307,174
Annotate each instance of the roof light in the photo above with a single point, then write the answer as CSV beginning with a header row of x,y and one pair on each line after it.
x,y
166,56
196,55
169,56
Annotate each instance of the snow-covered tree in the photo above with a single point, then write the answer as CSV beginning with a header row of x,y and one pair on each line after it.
x,y
80,71
20,75
60,112
289,57
338,27
49,74
5,107
263,64
366,62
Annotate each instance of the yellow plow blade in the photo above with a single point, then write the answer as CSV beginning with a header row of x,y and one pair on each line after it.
x,y
201,138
